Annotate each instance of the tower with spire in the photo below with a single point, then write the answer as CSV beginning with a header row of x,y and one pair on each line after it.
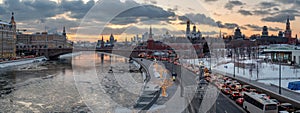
x,y
150,41
64,32
13,23
188,30
194,35
102,42
288,32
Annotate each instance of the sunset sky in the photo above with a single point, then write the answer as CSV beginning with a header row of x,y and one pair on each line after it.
x,y
89,20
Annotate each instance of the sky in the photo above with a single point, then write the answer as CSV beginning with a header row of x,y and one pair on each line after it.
x,y
92,19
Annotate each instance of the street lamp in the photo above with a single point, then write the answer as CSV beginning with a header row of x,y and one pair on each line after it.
x,y
280,59
202,82
233,62
172,56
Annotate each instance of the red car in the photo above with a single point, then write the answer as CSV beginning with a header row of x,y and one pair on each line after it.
x,y
239,101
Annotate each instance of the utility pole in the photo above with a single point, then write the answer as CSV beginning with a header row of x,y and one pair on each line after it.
x,y
280,75
234,63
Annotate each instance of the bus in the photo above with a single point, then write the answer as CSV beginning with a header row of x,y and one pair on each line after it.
x,y
256,103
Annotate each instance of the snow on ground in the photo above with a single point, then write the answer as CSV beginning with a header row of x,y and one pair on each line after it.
x,y
267,73
21,62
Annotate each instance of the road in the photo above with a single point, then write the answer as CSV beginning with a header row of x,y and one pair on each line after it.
x,y
294,96
223,104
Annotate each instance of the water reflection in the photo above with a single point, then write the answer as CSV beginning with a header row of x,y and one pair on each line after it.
x,y
51,87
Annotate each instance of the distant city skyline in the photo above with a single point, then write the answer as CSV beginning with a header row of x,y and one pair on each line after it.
x,y
210,16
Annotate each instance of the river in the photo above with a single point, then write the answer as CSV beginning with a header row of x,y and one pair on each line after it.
x,y
79,84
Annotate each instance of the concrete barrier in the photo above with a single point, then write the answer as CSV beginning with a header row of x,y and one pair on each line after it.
x,y
144,106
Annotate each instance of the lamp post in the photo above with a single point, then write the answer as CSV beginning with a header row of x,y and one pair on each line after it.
x,y
280,59
234,62
2,53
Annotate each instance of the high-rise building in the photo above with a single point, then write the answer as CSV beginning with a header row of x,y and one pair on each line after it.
x,y
8,38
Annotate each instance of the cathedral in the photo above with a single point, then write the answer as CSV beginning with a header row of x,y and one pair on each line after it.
x,y
194,35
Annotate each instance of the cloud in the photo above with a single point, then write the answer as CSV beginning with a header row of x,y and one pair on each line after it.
x,y
227,25
229,5
210,0
209,33
37,9
268,4
254,27
288,1
259,28
245,12
281,18
198,19
275,29
78,8
143,14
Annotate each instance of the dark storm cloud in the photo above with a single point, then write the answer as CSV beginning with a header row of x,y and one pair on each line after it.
x,y
245,12
230,4
279,18
254,27
198,19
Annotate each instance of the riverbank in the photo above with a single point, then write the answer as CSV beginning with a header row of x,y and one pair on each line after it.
x,y
19,62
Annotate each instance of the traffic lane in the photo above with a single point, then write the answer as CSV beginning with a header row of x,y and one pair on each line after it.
x,y
223,103
186,77
226,105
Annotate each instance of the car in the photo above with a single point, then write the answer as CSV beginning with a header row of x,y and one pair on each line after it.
x,y
226,91
283,112
227,84
297,111
238,86
234,82
246,87
235,94
286,107
265,95
276,101
222,86
239,101
232,86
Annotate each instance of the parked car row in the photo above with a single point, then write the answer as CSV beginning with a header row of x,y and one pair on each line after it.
x,y
236,90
